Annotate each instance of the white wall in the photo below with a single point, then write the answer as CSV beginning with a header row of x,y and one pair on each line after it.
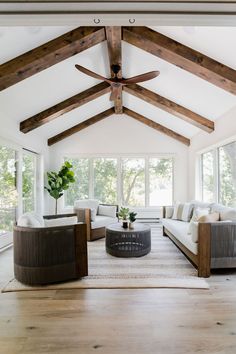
x,y
119,134
225,129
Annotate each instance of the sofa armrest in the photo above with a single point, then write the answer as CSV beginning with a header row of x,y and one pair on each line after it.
x,y
58,216
216,246
223,244
83,214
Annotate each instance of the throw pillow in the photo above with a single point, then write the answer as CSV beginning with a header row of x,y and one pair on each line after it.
x,y
182,211
30,220
176,207
93,214
209,218
197,214
70,220
107,210
186,213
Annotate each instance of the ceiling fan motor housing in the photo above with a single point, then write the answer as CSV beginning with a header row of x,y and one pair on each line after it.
x,y
115,68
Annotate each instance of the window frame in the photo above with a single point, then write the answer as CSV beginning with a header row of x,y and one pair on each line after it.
x,y
6,241
119,158
216,167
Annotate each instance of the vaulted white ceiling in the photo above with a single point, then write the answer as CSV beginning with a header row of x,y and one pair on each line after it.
x,y
62,80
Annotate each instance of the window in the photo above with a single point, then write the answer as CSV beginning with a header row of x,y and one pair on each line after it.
x,y
219,175
28,182
208,180
133,181
105,180
8,194
79,189
128,181
227,174
160,181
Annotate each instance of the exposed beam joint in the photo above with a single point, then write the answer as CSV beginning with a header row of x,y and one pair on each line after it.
x,y
182,56
170,107
64,107
113,35
49,54
150,123
85,124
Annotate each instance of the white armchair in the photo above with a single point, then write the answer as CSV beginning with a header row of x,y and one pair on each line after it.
x,y
96,216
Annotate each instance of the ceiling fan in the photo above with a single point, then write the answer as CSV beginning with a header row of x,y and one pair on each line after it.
x,y
116,83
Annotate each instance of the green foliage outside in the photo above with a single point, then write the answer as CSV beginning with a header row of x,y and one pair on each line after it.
x,y
8,194
105,180
58,182
133,181
80,188
28,182
227,176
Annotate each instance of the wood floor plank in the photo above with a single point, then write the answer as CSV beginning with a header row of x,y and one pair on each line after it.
x,y
118,321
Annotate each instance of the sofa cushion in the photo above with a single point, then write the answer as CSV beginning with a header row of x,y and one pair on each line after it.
x,y
194,231
70,220
102,221
107,210
180,230
30,219
87,204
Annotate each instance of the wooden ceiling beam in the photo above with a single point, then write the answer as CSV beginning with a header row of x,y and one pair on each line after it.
x,y
113,35
77,128
150,123
170,107
64,107
182,56
49,54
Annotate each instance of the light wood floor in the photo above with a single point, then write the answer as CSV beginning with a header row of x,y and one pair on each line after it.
x,y
147,321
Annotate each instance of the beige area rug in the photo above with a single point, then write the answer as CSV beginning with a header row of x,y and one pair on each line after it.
x,y
164,267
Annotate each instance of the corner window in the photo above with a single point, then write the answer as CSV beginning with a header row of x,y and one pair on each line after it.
x,y
218,177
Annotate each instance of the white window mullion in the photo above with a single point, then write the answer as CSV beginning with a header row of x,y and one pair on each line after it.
x,y
91,178
216,176
19,184
147,187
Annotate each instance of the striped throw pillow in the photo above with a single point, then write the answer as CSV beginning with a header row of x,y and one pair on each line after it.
x,y
182,211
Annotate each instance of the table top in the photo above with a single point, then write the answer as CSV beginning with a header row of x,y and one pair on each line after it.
x,y
137,227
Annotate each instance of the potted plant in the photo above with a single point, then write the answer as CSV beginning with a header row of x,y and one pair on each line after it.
x,y
59,181
132,218
124,214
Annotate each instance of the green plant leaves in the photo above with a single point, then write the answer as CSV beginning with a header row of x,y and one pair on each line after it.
x,y
58,182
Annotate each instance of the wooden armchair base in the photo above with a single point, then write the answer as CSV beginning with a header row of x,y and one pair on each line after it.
x,y
50,254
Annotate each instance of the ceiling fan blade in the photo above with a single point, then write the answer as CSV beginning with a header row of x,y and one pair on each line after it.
x,y
140,78
92,74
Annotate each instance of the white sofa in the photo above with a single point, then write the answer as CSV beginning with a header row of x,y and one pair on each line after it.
x,y
96,216
209,245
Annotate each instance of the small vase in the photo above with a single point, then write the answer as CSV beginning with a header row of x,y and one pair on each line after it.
x,y
125,224
131,225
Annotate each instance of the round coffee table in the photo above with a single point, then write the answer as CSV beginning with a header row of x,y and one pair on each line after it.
x,y
122,242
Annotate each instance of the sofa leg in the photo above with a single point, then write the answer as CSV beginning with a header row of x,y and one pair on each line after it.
x,y
204,272
204,250
164,232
